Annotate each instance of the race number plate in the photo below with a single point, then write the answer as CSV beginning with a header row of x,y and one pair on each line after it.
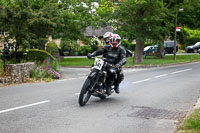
x,y
98,64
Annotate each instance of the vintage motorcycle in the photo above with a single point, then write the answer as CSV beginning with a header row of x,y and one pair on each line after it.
x,y
95,83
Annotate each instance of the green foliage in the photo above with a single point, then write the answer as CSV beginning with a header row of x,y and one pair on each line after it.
x,y
65,44
1,67
36,55
189,37
29,22
76,17
45,70
131,46
128,45
140,19
52,48
191,14
84,50
37,74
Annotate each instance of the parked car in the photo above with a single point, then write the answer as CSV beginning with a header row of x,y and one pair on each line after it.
x,y
169,47
193,48
150,49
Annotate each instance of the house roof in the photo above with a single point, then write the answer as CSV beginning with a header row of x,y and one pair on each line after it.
x,y
90,31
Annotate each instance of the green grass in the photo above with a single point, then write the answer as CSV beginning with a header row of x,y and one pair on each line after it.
x,y
191,123
150,61
76,62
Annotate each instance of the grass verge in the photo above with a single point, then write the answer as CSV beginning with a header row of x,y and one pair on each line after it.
x,y
191,124
150,61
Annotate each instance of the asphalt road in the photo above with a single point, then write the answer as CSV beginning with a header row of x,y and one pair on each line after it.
x,y
151,101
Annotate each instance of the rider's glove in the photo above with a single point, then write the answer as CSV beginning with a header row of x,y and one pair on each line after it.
x,y
117,66
89,56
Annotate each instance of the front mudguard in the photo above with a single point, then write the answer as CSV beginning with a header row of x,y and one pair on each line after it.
x,y
92,74
94,77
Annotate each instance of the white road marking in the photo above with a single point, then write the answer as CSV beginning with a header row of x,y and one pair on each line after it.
x,y
161,75
24,106
141,81
77,93
71,79
62,80
182,71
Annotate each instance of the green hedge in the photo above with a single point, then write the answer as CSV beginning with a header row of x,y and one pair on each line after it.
x,y
128,45
52,48
34,55
84,50
188,37
132,46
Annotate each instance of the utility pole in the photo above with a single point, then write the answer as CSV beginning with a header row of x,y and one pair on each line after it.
x,y
175,42
175,35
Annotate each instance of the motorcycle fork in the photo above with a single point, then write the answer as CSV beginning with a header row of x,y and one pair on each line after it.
x,y
95,82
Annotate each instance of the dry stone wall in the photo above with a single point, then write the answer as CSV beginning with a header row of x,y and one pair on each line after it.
x,y
16,73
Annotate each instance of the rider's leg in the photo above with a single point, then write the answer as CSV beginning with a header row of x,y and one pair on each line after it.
x,y
110,79
120,78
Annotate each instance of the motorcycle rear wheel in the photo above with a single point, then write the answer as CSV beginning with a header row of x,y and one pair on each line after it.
x,y
85,93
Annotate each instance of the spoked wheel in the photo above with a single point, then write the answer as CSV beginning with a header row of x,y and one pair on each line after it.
x,y
85,93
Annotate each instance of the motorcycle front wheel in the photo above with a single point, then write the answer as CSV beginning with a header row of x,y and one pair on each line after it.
x,y
85,93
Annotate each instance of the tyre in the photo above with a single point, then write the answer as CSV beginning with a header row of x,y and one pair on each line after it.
x,y
102,97
85,93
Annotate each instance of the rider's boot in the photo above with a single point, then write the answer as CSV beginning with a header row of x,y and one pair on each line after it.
x,y
108,89
117,88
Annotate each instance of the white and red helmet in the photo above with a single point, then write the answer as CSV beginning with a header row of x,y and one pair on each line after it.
x,y
115,41
107,36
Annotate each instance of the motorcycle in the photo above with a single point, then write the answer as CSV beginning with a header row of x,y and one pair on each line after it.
x,y
95,83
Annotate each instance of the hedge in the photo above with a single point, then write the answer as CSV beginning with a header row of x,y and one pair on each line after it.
x,y
52,48
132,46
189,37
35,55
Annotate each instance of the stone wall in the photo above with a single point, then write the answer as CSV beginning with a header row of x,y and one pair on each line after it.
x,y
16,73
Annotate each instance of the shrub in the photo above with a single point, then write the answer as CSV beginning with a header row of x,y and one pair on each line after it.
x,y
45,71
38,55
128,45
84,50
189,37
191,40
65,46
52,48
1,67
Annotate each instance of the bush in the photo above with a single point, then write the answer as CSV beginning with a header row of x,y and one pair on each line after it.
x,y
65,46
189,37
84,50
128,45
45,71
52,48
191,41
38,55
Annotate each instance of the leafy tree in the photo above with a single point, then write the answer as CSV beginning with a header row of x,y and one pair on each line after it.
x,y
191,15
29,22
141,20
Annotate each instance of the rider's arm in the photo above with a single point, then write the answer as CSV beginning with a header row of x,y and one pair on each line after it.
x,y
99,52
122,58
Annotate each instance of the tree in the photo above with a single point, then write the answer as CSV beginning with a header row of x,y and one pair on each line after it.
x,y
29,22
140,20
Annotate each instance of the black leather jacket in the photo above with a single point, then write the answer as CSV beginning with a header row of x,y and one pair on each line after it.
x,y
113,56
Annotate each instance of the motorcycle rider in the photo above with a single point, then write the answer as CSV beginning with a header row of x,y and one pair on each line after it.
x,y
115,55
107,36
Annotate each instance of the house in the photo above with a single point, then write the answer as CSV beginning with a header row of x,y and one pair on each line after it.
x,y
98,32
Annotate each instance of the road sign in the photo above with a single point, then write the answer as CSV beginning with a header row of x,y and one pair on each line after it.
x,y
178,28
